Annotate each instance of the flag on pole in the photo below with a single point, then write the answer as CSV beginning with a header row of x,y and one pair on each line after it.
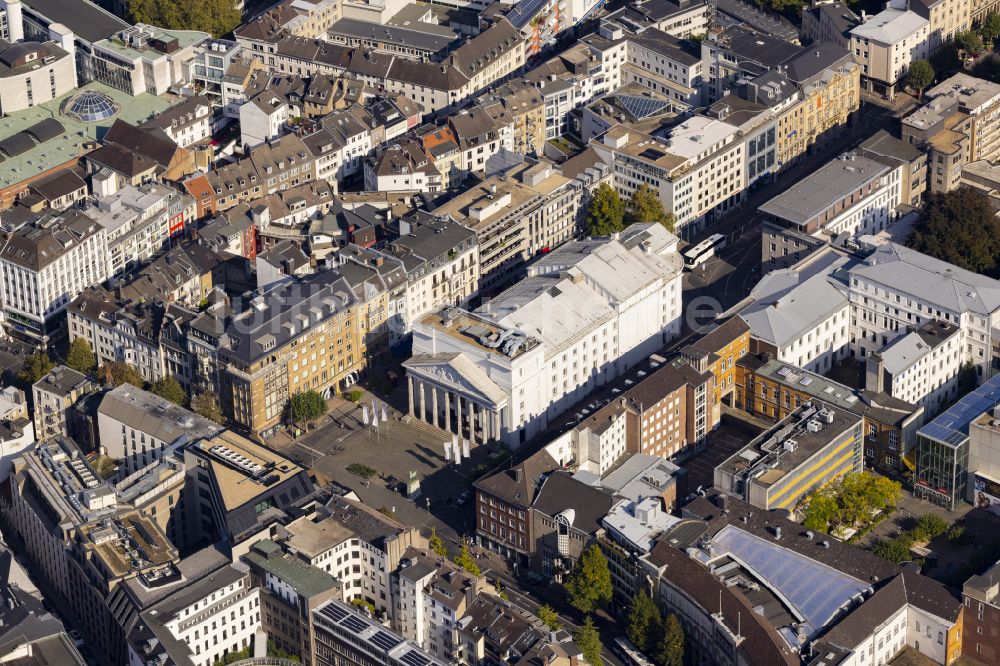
x,y
385,414
455,448
465,448
364,414
447,450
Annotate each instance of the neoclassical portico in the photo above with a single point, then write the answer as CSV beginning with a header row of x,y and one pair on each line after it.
x,y
451,392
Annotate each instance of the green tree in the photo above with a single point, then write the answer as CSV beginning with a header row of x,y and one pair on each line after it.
x,y
670,649
465,560
929,526
364,471
589,584
645,206
436,544
896,549
117,373
217,17
35,367
959,227
589,642
642,624
988,67
206,405
919,76
970,42
170,389
821,512
989,29
306,406
946,60
606,213
549,617
80,356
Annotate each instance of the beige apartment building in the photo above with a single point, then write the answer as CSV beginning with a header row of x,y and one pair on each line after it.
x,y
979,9
528,209
959,124
830,93
302,335
886,44
946,17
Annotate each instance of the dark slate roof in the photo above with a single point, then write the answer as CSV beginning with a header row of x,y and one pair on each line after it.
x,y
16,144
663,382
58,184
908,587
560,491
84,18
48,128
519,484
277,319
883,144
758,47
121,160
155,146
815,59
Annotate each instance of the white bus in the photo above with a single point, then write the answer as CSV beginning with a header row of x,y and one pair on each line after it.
x,y
703,251
629,653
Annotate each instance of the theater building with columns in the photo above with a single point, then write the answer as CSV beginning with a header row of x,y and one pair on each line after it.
x,y
585,313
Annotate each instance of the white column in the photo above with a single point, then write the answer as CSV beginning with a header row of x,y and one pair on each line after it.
x,y
409,383
496,424
434,406
447,411
472,424
422,403
458,414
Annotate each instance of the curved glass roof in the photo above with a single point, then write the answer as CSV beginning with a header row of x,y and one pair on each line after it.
x,y
91,106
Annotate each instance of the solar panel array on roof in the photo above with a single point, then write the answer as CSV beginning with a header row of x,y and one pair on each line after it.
x,y
354,623
414,658
385,641
16,144
642,107
525,10
334,612
47,129
819,602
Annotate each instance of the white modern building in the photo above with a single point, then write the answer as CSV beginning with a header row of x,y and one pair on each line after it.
x,y
801,317
432,594
586,313
45,264
137,427
896,288
922,367
357,545
139,222
262,119
698,170
215,616
886,44
851,195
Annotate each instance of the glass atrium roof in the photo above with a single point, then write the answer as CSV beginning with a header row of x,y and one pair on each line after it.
x,y
92,106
